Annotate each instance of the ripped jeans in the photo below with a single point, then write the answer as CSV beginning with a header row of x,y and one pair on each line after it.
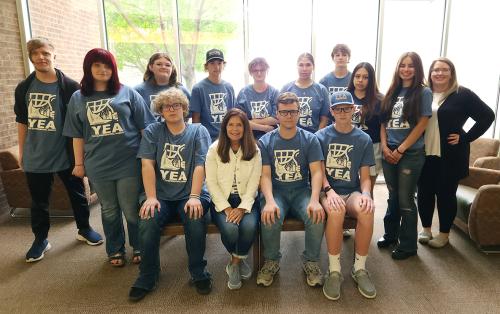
x,y
400,221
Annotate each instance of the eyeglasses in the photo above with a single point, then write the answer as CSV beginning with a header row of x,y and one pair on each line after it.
x,y
171,107
441,70
292,113
342,109
258,71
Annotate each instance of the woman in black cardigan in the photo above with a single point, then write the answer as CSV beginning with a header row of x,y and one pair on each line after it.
x,y
447,148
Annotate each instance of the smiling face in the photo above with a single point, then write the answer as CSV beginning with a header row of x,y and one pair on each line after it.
x,y
161,68
43,59
441,74
407,71
101,72
235,129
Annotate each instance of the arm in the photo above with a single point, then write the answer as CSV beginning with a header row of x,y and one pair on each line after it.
x,y
193,206
22,130
149,180
323,122
414,135
258,125
195,117
366,202
266,187
78,149
314,209
386,152
248,198
332,201
214,188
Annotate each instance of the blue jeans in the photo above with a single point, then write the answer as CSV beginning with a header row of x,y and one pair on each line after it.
x,y
294,202
195,231
400,221
117,196
237,238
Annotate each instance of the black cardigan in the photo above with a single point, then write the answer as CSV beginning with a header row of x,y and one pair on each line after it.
x,y
452,115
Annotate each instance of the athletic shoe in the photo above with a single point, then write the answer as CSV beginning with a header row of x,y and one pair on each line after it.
x,y
365,284
37,250
265,276
424,237
347,234
331,287
89,236
245,270
313,273
234,281
438,242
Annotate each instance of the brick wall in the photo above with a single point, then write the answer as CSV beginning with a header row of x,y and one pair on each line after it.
x,y
72,26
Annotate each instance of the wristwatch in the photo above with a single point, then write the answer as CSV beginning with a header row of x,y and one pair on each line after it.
x,y
327,188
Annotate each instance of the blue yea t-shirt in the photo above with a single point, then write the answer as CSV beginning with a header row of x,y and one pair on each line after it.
x,y
149,90
212,101
176,158
44,149
110,126
398,129
258,105
345,154
335,84
372,124
290,158
314,102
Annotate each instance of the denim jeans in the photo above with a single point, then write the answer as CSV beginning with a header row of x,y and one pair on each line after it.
x,y
195,231
294,202
237,238
400,221
117,197
40,186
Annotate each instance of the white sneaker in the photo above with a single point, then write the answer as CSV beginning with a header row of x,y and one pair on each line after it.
x,y
245,270
424,237
234,280
439,241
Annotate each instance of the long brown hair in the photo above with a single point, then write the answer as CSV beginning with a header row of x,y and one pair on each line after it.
x,y
247,143
411,107
149,75
372,94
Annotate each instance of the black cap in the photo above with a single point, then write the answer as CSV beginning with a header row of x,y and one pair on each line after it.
x,y
213,54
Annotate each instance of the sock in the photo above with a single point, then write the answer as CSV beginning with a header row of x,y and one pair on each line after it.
x,y
334,262
359,262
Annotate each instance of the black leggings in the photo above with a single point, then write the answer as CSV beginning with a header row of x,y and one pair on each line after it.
x,y
432,185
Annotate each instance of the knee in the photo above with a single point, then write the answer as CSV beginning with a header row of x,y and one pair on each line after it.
x,y
336,217
148,227
365,218
230,232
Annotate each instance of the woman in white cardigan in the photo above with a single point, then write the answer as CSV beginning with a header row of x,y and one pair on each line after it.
x,y
233,168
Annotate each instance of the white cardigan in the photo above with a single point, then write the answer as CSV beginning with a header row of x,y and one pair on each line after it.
x,y
220,176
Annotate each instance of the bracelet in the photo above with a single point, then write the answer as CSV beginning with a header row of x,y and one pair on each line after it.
x,y
367,194
194,196
78,165
327,188
397,149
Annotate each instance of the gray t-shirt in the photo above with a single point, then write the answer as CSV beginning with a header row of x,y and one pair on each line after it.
x,y
335,84
290,158
345,154
176,158
149,90
398,129
110,126
314,103
44,150
212,101
258,105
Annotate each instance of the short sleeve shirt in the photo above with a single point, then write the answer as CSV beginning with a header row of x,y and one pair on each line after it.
x,y
110,126
397,128
212,101
335,84
44,149
345,154
149,91
314,102
371,125
257,105
176,157
290,158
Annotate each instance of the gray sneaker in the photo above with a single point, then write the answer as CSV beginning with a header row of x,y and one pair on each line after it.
x,y
245,270
266,274
331,287
347,233
313,273
365,284
234,281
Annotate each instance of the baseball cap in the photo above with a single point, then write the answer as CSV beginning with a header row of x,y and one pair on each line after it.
x,y
213,54
341,98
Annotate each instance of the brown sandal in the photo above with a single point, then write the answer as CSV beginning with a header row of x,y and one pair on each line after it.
x,y
136,257
117,260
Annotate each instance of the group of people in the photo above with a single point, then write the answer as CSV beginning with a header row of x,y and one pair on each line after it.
x,y
247,161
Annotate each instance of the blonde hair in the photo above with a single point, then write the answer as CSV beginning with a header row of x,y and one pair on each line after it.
x,y
171,96
453,87
37,42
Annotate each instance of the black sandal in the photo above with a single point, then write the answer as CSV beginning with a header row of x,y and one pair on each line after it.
x,y
136,257
117,260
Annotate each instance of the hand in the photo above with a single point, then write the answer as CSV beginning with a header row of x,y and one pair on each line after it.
x,y
366,203
387,154
396,155
268,128
149,207
78,171
453,139
268,212
236,215
193,208
335,202
315,212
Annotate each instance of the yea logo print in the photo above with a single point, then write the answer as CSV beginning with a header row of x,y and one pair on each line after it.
x,y
172,165
218,106
40,112
338,163
396,121
305,111
286,165
259,109
103,119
